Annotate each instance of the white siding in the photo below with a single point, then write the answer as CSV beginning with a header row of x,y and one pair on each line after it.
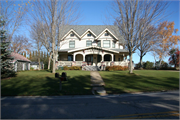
x,y
79,43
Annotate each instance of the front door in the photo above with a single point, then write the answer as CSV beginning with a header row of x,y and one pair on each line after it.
x,y
89,59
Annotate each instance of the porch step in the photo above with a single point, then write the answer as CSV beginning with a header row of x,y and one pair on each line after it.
x,y
91,68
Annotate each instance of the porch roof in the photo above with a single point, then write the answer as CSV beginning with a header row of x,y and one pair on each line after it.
x,y
77,49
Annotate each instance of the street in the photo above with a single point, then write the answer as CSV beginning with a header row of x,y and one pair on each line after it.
x,y
158,105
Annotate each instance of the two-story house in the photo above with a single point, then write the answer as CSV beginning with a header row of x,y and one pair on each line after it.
x,y
93,44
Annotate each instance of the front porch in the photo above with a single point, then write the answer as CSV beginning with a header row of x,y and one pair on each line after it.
x,y
92,56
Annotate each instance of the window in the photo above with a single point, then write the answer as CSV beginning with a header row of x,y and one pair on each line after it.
x,y
88,43
71,44
99,44
72,34
113,44
89,34
106,34
70,57
106,43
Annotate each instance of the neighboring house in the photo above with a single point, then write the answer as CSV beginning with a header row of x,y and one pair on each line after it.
x,y
20,62
93,45
35,65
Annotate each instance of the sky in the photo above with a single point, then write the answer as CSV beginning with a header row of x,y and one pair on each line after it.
x,y
94,12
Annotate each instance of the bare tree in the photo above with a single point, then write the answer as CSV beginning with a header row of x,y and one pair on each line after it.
x,y
20,44
146,35
14,15
55,15
130,17
36,35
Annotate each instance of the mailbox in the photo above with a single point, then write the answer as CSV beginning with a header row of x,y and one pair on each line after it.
x,y
56,75
63,76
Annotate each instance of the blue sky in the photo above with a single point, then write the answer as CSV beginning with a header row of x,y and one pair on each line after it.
x,y
93,13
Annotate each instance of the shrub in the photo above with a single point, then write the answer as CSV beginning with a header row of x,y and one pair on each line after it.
x,y
107,68
72,68
66,68
75,68
116,68
31,68
164,65
148,65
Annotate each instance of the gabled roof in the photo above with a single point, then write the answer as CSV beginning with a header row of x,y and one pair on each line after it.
x,y
104,32
96,29
89,30
17,56
70,32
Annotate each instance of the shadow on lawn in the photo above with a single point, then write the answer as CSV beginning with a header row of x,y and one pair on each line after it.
x,y
138,83
47,86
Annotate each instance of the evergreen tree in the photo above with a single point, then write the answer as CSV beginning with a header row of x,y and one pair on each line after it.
x,y
33,55
30,56
7,69
24,53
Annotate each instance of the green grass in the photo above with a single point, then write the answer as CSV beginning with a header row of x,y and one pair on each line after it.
x,y
141,81
43,83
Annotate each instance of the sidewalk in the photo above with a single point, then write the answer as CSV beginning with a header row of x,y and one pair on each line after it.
x,y
97,83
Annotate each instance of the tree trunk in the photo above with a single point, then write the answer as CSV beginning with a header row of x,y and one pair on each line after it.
x,y
39,63
49,62
39,59
54,65
141,63
130,65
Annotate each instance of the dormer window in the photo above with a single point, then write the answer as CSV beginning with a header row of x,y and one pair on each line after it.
x,y
106,34
89,34
72,34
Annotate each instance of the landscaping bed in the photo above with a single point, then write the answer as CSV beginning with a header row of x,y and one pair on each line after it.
x,y
44,83
117,82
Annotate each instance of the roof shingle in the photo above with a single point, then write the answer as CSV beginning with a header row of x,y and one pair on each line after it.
x,y
97,29
19,57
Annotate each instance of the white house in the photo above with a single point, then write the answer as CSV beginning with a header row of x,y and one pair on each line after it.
x,y
91,44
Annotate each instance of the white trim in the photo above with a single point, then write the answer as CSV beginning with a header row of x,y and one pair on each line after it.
x,y
104,32
88,31
69,33
92,47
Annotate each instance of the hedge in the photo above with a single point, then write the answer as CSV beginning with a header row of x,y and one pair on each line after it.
x,y
116,68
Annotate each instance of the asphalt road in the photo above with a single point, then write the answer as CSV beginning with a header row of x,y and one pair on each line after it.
x,y
147,105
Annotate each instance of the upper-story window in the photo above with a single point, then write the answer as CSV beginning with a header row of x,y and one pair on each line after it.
x,y
88,43
72,34
106,43
71,44
113,44
106,34
99,44
89,34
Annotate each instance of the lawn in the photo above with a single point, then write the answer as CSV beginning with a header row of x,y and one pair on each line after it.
x,y
141,81
43,83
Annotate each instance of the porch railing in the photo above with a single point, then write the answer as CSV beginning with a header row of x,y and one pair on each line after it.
x,y
79,63
64,63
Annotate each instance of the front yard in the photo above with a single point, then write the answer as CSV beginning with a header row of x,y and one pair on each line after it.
x,y
141,81
43,83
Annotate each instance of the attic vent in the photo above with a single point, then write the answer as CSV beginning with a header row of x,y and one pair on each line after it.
x,y
106,34
72,34
89,34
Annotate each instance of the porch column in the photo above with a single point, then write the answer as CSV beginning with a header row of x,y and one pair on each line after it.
x,y
112,57
74,57
84,57
102,57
